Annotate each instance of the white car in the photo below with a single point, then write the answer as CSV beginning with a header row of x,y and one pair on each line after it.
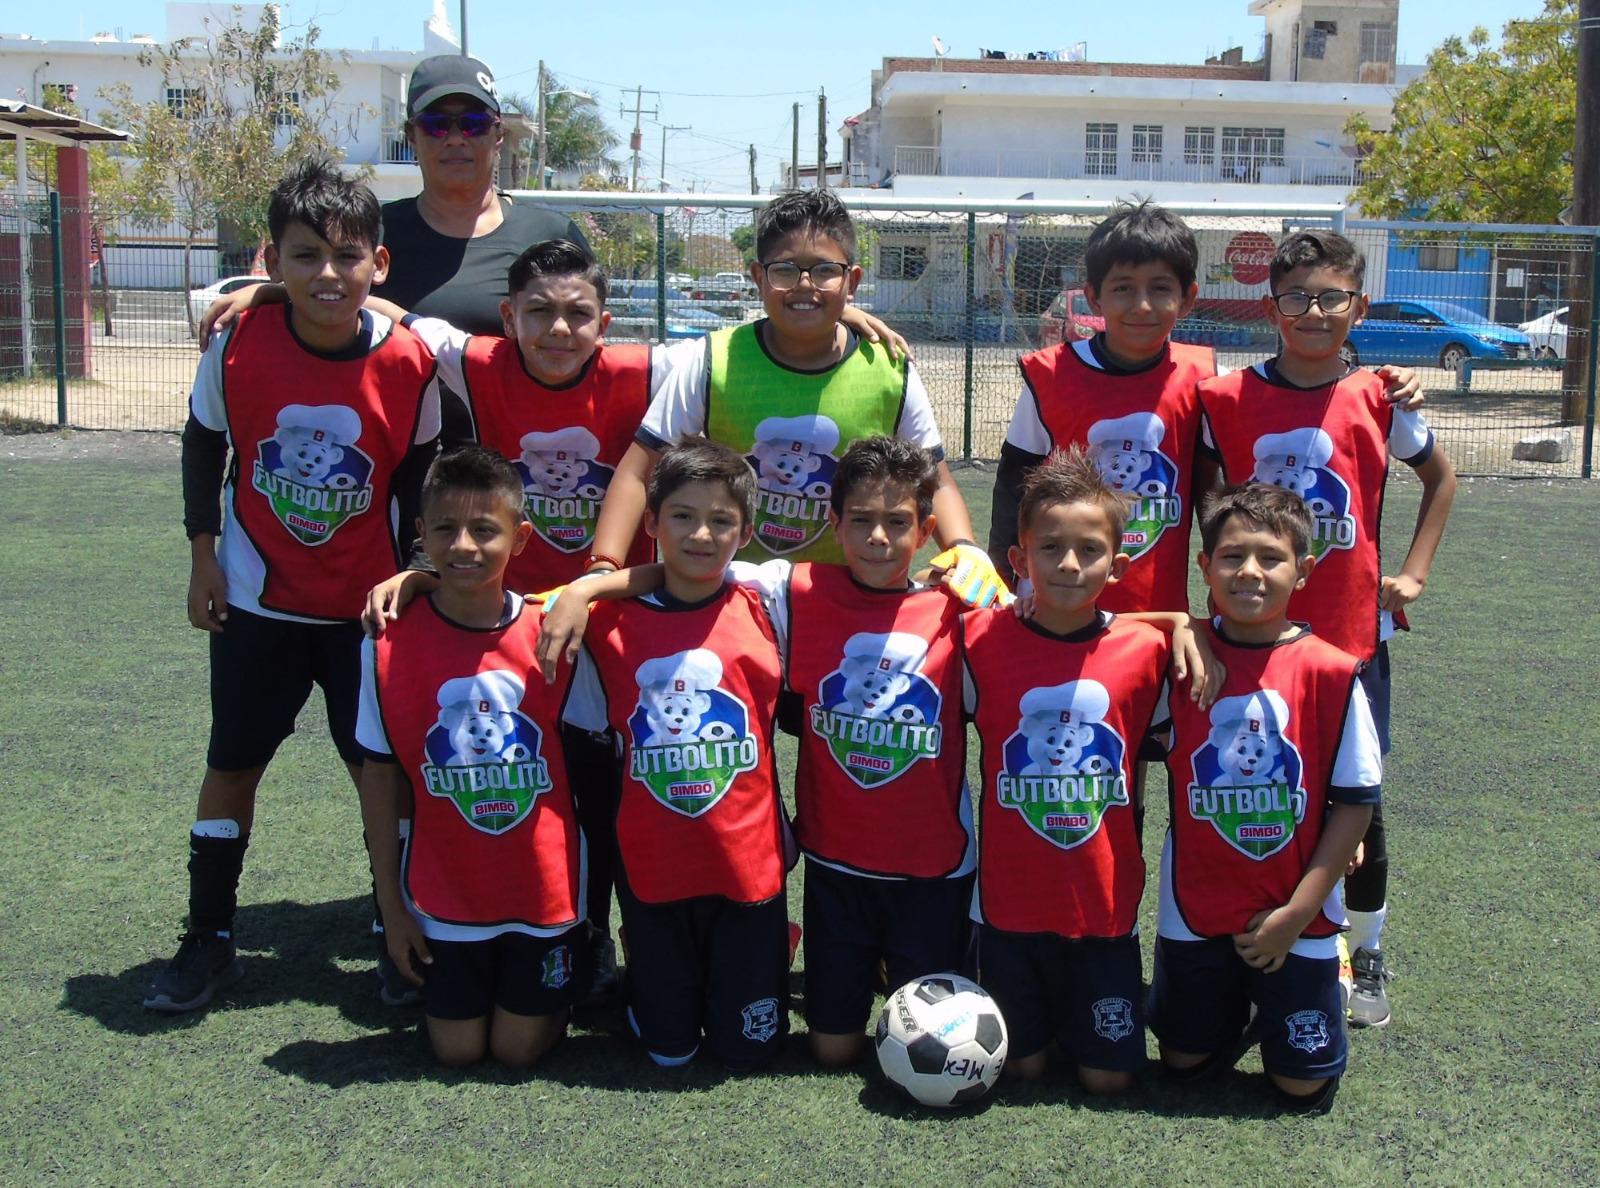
x,y
1548,334
200,299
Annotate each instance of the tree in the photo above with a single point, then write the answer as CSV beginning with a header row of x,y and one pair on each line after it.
x,y
577,137
239,108
1485,134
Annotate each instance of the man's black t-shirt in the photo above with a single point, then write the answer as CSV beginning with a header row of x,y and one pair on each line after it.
x,y
461,280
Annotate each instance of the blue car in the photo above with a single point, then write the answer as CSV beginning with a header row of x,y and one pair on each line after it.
x,y
1433,334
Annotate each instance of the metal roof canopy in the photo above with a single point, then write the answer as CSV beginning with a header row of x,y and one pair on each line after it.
x,y
24,121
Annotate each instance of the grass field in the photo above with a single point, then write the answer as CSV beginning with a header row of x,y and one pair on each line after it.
x,y
1490,1074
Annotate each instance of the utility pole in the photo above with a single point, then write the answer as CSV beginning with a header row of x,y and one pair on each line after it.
x,y
794,153
665,128
754,189
464,28
1580,365
636,141
822,140
538,183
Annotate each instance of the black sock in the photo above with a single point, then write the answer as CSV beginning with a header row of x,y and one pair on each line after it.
x,y
214,867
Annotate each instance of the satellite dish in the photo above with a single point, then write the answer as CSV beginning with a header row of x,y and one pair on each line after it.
x,y
939,49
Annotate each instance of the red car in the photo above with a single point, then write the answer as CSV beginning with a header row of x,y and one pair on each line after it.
x,y
1068,319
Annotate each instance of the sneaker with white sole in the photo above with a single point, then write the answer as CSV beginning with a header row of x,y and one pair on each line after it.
x,y
1369,1001
205,963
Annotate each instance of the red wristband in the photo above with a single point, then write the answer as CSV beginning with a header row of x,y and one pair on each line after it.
x,y
601,559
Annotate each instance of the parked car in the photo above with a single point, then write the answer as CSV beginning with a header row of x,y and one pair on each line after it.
x,y
1548,334
1432,333
639,290
1068,319
732,280
729,302
200,299
635,318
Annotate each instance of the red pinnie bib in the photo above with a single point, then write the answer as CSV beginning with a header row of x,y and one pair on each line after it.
x,y
692,693
1330,445
1140,430
565,442
316,442
1249,781
882,749
1061,722
494,836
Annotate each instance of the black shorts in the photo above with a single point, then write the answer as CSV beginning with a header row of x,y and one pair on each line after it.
x,y
526,975
262,671
1200,1004
1375,683
711,967
1088,994
915,926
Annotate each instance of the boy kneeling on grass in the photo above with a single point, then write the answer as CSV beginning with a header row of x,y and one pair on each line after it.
x,y
462,737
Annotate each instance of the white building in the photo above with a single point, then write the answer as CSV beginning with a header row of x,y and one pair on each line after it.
x,y
366,116
1228,130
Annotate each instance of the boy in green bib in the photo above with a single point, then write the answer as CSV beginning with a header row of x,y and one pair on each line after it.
x,y
790,392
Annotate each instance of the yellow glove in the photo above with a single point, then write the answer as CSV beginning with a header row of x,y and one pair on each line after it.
x,y
970,576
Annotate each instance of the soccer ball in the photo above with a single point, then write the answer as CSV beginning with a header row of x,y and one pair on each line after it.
x,y
941,1039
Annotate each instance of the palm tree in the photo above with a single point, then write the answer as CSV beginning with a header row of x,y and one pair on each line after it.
x,y
577,138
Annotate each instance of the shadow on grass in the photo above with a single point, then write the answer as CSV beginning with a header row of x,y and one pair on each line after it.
x,y
291,952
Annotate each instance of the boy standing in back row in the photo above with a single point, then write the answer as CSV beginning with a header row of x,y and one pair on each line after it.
x,y
331,414
1307,421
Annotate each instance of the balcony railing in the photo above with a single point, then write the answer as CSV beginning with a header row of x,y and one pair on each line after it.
x,y
1237,168
396,149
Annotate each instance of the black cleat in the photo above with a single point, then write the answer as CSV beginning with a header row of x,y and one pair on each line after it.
x,y
204,964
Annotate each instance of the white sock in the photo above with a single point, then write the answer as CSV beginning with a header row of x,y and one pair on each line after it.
x,y
1366,929
223,827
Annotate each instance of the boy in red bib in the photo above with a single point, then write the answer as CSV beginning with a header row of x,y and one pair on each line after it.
x,y
688,679
1063,702
331,414
461,739
1309,422
1271,791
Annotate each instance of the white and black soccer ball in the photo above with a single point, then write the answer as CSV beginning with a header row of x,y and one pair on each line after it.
x,y
942,1040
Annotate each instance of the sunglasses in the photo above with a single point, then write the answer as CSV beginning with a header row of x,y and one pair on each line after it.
x,y
472,124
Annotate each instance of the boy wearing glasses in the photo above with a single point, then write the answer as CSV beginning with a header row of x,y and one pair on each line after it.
x,y
1309,422
790,393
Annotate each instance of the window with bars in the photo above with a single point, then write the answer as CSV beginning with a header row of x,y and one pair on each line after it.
x,y
1377,42
1147,143
283,112
1100,150
183,102
1246,150
901,261
1199,146
1439,258
58,95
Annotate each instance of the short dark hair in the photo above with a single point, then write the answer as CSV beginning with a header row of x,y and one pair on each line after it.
x,y
698,460
1309,248
1141,234
893,459
475,469
1070,476
556,257
1261,506
817,211
336,207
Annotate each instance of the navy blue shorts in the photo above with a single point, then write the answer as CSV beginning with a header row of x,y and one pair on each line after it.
x,y
1200,1004
1086,994
915,926
262,671
526,975
1375,683
708,967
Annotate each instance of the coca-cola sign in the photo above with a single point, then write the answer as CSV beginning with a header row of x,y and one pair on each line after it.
x,y
1249,255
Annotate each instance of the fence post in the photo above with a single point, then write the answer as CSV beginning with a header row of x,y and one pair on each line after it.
x,y
661,275
58,284
972,330
1594,333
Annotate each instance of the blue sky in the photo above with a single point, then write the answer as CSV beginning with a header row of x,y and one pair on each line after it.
x,y
731,71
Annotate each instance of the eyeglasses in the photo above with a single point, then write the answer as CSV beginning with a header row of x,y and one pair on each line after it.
x,y
824,274
1295,303
439,124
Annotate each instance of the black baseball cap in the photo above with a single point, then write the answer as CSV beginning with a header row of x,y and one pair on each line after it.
x,y
450,74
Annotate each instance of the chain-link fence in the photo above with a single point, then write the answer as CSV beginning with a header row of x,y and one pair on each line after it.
x,y
1496,319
